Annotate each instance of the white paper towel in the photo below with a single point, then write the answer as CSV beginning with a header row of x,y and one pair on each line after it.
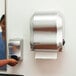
x,y
45,55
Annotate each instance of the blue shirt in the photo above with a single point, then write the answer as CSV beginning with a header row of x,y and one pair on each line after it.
x,y
2,51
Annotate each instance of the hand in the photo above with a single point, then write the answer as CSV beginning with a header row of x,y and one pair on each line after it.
x,y
12,62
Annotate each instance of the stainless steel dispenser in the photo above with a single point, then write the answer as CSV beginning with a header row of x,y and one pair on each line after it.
x,y
16,49
47,32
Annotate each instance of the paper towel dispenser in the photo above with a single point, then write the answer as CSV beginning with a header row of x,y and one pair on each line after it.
x,y
47,32
16,49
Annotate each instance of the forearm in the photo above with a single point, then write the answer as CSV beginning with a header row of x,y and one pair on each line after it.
x,y
3,62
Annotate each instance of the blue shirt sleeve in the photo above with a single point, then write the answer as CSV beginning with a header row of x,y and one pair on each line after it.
x,y
2,50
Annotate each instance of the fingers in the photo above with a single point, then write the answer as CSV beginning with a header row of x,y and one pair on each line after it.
x,y
12,62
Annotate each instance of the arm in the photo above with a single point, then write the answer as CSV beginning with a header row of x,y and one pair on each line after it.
x,y
3,62
11,62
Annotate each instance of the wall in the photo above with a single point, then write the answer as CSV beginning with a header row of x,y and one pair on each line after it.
x,y
19,13
2,6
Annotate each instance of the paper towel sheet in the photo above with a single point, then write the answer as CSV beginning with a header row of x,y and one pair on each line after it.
x,y
45,55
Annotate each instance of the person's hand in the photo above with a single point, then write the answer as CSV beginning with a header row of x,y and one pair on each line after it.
x,y
12,62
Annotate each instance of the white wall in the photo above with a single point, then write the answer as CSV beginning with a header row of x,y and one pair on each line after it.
x,y
18,25
2,7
